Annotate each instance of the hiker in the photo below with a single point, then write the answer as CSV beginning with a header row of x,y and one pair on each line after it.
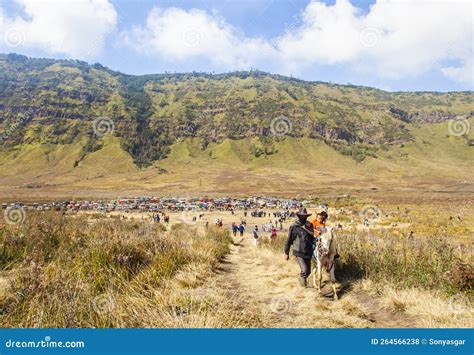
x,y
241,229
255,236
274,233
234,229
301,236
319,222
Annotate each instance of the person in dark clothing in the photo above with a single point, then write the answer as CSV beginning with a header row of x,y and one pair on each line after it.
x,y
241,229
255,236
301,236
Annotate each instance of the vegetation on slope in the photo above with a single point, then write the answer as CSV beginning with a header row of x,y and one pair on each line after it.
x,y
56,101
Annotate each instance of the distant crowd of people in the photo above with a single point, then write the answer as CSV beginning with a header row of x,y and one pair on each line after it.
x,y
157,219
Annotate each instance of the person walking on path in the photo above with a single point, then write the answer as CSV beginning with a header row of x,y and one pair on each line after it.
x,y
274,234
301,237
255,236
241,229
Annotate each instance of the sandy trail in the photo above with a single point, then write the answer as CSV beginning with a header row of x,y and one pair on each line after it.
x,y
262,280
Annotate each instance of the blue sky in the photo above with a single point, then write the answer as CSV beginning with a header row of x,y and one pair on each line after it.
x,y
392,45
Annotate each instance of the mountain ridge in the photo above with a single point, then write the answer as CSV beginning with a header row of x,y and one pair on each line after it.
x,y
73,115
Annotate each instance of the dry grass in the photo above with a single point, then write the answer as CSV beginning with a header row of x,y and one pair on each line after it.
x,y
71,273
427,308
387,281
65,271
431,263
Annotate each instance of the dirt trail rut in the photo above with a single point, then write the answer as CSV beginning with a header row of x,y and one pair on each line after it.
x,y
262,280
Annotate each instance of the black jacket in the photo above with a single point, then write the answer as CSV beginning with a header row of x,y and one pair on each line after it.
x,y
302,238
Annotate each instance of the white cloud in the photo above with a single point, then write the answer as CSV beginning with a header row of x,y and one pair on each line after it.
x,y
328,35
73,27
394,39
462,74
419,35
176,34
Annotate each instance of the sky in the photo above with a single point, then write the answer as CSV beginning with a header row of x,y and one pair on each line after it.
x,y
403,45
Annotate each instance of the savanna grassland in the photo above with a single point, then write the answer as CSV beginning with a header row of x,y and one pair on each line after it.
x,y
71,130
411,267
71,272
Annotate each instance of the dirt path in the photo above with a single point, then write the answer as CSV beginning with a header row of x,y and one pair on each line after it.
x,y
262,280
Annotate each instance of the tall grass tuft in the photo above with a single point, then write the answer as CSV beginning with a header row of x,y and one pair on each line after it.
x,y
74,272
433,263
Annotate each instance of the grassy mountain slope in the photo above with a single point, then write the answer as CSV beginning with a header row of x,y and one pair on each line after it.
x,y
212,133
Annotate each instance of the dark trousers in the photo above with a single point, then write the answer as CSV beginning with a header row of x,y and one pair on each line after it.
x,y
305,266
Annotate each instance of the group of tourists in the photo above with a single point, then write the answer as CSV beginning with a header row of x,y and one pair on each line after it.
x,y
157,219
302,235
238,228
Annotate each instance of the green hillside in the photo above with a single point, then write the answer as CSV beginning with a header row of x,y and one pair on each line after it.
x,y
235,132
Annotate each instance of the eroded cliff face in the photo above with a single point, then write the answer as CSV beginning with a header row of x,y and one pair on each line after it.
x,y
59,101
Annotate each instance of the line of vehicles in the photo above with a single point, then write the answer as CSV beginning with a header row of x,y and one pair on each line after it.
x,y
158,204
